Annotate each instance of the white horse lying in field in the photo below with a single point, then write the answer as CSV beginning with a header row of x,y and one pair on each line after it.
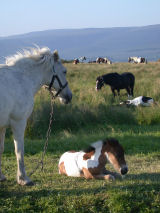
x,y
139,101
20,78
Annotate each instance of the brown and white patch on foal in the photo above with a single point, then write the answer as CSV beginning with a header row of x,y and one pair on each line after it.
x,y
91,162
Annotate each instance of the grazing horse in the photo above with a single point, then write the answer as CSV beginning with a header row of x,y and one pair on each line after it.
x,y
137,60
21,77
107,61
143,60
117,81
100,60
91,162
139,101
76,61
82,59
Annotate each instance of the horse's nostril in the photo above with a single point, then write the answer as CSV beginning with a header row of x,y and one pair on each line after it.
x,y
124,170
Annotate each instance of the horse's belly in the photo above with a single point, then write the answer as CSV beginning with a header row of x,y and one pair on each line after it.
x,y
4,121
11,108
19,113
5,110
16,98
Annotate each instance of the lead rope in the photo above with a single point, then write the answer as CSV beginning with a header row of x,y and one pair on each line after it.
x,y
41,162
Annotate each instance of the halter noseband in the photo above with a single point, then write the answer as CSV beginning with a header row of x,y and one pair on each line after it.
x,y
60,84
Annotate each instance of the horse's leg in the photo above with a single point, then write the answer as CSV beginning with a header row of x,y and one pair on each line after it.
x,y
105,177
131,88
118,90
2,136
128,91
18,128
114,174
113,91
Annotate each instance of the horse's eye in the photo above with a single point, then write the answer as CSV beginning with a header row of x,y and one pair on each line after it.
x,y
65,72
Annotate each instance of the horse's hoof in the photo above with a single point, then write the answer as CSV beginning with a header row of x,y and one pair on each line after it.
x,y
25,182
31,183
109,177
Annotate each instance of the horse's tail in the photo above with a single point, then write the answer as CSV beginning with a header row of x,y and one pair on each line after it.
x,y
132,79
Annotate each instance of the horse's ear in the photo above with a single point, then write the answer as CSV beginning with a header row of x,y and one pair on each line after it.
x,y
55,56
99,78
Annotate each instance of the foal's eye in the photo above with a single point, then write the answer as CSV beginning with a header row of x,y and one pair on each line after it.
x,y
65,72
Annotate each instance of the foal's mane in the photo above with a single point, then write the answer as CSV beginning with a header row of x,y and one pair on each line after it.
x,y
34,55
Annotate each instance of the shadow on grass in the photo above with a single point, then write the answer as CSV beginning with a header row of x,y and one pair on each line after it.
x,y
6,190
154,177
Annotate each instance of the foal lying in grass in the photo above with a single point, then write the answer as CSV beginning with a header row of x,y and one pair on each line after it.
x,y
91,162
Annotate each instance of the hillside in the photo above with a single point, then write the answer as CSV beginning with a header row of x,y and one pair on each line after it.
x,y
116,43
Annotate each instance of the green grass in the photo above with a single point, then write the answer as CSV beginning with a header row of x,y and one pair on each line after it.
x,y
91,116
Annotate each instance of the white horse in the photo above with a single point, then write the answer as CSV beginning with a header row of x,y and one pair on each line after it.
x,y
139,101
107,61
82,59
136,60
21,77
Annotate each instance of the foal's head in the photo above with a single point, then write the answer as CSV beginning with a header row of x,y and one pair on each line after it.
x,y
99,83
115,154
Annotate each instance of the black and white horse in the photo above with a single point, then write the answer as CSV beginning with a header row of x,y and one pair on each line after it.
x,y
137,60
139,101
116,82
82,59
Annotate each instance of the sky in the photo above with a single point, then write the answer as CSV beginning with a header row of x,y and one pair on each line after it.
x,y
23,16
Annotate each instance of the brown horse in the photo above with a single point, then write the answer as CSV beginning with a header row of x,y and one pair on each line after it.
x,y
91,162
76,61
100,60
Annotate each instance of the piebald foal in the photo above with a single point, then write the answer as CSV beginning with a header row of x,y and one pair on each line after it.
x,y
91,162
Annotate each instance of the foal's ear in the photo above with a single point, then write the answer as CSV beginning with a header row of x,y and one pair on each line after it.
x,y
55,56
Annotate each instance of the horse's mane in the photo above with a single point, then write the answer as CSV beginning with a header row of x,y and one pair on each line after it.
x,y
31,55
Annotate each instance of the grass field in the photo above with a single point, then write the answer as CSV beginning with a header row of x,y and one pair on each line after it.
x,y
91,116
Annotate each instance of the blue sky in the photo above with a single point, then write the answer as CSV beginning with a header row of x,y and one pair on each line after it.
x,y
22,16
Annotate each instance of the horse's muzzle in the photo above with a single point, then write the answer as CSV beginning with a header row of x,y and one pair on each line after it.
x,y
66,99
124,170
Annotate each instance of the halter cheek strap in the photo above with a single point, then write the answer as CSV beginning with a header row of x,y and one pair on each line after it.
x,y
60,84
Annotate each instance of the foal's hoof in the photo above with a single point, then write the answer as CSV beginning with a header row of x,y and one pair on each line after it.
x,y
109,177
